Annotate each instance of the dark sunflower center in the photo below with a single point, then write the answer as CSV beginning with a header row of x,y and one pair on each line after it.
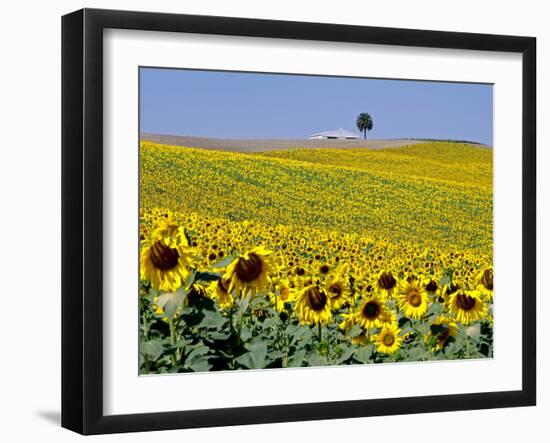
x,y
387,280
431,286
335,290
324,269
388,339
249,269
371,310
164,257
487,279
444,335
316,299
414,298
465,302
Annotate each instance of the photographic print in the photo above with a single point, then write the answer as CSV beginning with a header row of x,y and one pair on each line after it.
x,y
300,220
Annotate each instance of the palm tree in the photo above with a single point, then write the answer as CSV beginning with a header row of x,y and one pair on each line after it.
x,y
364,123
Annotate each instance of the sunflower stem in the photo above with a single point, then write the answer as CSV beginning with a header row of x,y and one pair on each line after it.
x,y
230,315
146,337
320,332
172,332
241,324
173,340
276,304
243,305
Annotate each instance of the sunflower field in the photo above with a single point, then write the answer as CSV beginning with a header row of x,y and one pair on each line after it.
x,y
310,257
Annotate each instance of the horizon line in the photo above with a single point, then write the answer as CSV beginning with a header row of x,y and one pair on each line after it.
x,y
427,139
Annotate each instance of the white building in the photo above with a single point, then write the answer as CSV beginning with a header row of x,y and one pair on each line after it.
x,y
334,134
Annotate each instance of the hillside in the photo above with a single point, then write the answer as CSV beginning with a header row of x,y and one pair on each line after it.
x,y
439,162
430,193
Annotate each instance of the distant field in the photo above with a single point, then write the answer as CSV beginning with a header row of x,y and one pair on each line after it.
x,y
261,145
435,162
433,193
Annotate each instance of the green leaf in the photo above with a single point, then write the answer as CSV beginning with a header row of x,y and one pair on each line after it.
x,y
255,358
274,356
190,280
473,331
218,335
446,279
354,331
422,328
270,322
364,353
452,347
297,358
246,334
212,319
434,309
172,302
153,349
298,333
313,359
197,359
346,355
224,262
141,363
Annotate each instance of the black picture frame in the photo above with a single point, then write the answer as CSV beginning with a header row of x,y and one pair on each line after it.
x,y
82,220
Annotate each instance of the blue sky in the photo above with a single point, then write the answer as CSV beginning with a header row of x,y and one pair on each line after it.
x,y
250,105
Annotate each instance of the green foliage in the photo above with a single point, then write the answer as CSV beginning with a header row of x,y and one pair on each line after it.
x,y
193,335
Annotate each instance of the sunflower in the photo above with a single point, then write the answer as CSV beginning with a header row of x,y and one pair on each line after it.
x,y
218,290
372,313
431,286
282,294
338,291
390,318
441,329
250,272
485,283
467,306
348,320
388,340
446,290
360,340
199,289
166,258
312,306
386,283
412,298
